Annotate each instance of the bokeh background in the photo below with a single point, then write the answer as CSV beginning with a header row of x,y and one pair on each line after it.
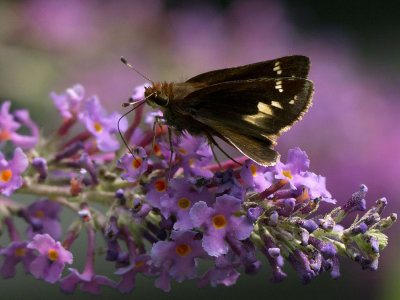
x,y
351,134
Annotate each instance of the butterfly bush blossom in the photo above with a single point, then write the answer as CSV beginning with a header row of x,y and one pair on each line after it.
x,y
162,216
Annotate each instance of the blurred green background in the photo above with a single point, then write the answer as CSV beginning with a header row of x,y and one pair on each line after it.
x,y
352,133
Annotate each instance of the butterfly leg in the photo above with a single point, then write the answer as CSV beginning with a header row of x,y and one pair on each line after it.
x,y
158,120
171,149
211,139
214,154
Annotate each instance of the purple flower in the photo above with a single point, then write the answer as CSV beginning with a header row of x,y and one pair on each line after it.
x,y
296,163
134,166
220,222
183,196
141,264
254,213
223,272
14,253
10,172
40,164
178,256
195,154
101,125
51,260
316,185
228,184
296,174
90,282
138,92
140,211
10,123
255,176
155,190
69,103
43,218
7,124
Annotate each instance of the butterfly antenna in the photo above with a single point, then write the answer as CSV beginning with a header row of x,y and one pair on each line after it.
x,y
124,115
125,62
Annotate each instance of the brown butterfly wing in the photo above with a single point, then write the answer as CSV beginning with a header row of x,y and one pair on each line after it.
x,y
250,114
288,66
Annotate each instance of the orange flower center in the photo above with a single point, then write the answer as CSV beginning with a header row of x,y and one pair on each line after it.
x,y
183,151
39,214
191,162
136,162
253,169
98,127
219,221
139,264
53,255
184,203
6,175
160,185
157,149
287,174
4,135
20,252
183,249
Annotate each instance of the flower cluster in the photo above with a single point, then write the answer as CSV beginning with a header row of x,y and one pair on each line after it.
x,y
166,211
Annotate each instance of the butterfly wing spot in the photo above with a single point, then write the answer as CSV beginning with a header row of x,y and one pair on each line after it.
x,y
277,68
291,101
265,108
276,104
278,86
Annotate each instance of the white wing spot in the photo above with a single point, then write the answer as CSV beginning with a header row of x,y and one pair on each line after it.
x,y
264,108
295,97
279,72
276,104
280,90
277,63
291,102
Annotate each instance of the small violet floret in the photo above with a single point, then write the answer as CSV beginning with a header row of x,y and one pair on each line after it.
x,y
10,171
100,125
51,260
219,222
134,165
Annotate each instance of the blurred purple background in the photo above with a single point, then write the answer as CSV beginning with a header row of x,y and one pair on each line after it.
x,y
351,134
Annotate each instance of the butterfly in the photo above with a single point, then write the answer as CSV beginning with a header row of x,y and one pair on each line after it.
x,y
248,107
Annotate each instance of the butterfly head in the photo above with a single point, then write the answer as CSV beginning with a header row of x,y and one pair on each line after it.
x,y
157,95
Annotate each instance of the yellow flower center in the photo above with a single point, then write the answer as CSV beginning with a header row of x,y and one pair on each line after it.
x,y
287,174
6,175
253,169
98,127
191,162
219,221
139,264
160,185
157,149
183,249
4,135
20,252
53,255
181,150
184,203
39,214
136,162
